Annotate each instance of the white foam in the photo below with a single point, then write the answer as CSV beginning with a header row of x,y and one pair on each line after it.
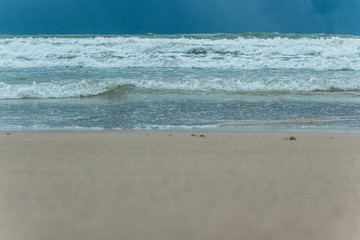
x,y
240,84
172,127
333,53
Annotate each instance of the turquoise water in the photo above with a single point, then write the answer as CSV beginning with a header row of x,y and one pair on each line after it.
x,y
243,82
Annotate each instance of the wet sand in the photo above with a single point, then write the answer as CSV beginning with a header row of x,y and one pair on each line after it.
x,y
176,186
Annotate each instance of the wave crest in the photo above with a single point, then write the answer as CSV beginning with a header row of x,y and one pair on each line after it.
x,y
115,88
82,88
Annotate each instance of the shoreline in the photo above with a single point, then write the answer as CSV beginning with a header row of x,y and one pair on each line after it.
x,y
226,128
151,185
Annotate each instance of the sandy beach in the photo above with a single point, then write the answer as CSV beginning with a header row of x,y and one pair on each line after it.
x,y
160,186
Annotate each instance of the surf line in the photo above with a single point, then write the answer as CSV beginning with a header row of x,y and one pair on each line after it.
x,y
297,121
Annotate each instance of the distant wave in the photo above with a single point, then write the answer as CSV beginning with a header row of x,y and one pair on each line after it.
x,y
205,51
213,36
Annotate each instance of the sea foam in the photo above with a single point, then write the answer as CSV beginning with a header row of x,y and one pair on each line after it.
x,y
321,53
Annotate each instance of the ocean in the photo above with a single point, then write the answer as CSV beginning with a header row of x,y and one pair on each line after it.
x,y
198,82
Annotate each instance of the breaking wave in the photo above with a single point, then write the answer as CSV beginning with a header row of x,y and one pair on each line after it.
x,y
83,88
89,88
216,51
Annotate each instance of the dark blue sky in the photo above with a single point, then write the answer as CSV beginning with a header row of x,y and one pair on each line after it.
x,y
178,16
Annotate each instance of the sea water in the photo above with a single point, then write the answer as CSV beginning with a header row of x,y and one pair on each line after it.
x,y
226,82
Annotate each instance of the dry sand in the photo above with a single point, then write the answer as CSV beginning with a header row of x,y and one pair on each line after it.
x,y
156,186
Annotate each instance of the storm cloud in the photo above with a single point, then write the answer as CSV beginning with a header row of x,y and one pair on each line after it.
x,y
178,16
